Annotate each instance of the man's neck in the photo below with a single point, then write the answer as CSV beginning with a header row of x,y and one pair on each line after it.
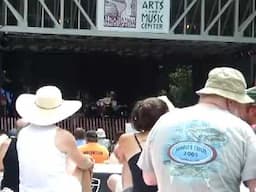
x,y
214,101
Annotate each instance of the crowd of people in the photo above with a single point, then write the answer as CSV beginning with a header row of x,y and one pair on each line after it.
x,y
210,146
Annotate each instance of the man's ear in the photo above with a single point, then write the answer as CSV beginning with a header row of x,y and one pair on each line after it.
x,y
253,109
229,104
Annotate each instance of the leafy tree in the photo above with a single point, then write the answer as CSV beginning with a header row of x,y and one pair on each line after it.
x,y
180,86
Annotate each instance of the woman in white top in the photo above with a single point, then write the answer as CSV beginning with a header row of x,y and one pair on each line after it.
x,y
44,149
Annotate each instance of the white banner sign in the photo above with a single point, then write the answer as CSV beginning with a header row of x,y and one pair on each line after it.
x,y
134,15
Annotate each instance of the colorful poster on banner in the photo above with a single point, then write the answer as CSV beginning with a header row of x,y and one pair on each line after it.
x,y
120,13
134,15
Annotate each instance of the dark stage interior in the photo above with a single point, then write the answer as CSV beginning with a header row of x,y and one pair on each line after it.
x,y
133,68
96,73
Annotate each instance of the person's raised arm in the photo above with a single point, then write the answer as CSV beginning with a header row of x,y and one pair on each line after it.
x,y
65,142
119,149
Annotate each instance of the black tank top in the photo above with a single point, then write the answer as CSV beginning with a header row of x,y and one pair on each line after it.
x,y
137,179
11,168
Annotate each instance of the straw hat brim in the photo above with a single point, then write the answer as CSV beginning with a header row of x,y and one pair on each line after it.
x,y
240,98
27,109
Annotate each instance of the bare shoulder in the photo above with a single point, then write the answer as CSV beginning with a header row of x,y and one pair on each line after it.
x,y
124,143
64,134
6,143
126,137
4,146
64,139
3,149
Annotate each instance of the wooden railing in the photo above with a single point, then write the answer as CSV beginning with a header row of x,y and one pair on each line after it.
x,y
109,124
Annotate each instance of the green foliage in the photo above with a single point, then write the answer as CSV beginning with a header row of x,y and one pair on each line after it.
x,y
180,86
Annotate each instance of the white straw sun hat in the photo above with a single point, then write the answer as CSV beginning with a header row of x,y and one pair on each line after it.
x,y
228,83
46,107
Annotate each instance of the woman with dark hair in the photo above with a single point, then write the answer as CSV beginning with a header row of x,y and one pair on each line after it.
x,y
130,145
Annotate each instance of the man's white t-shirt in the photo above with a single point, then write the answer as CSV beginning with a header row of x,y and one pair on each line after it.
x,y
199,149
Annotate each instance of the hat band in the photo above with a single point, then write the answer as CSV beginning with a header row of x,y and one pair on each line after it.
x,y
239,92
49,107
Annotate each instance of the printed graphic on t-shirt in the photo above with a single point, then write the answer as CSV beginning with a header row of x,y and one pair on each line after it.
x,y
193,149
93,152
192,153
